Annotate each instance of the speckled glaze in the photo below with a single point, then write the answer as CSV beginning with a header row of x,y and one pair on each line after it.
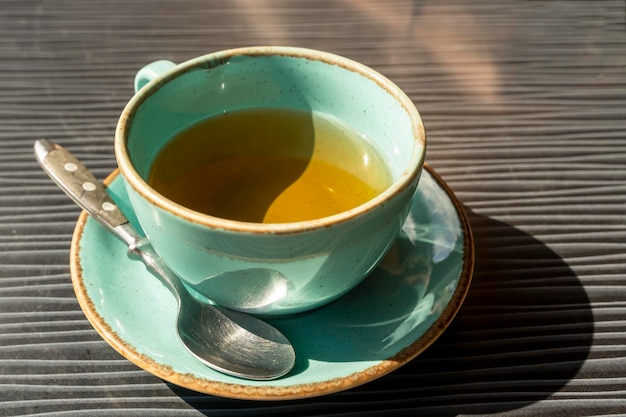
x,y
397,312
321,259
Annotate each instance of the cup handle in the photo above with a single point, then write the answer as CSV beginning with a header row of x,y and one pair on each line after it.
x,y
151,71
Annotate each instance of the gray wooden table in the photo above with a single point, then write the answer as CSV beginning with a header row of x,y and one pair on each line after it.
x,y
525,108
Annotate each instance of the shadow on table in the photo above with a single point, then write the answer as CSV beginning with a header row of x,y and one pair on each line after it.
x,y
523,332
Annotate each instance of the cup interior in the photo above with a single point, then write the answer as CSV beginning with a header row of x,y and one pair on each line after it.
x,y
272,78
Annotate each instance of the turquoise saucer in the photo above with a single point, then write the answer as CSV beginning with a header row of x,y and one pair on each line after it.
x,y
396,313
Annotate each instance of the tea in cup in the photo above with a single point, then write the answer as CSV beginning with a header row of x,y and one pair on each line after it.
x,y
276,161
286,166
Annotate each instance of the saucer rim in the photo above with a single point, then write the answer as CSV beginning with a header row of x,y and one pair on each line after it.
x,y
274,392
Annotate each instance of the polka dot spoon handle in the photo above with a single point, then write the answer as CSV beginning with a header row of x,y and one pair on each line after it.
x,y
78,183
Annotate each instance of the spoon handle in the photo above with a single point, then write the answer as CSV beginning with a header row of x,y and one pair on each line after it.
x,y
77,182
82,187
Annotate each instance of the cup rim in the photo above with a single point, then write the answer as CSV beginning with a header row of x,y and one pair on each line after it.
x,y
139,185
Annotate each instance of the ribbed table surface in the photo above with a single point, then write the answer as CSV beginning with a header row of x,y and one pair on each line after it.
x,y
524,104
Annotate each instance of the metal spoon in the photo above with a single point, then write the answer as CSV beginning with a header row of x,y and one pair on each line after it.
x,y
228,341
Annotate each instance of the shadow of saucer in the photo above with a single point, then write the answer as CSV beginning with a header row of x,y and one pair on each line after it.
x,y
523,332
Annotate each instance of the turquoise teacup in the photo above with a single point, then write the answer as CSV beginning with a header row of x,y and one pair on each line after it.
x,y
295,266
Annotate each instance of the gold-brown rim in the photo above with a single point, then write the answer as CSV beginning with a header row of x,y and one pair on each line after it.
x,y
141,187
